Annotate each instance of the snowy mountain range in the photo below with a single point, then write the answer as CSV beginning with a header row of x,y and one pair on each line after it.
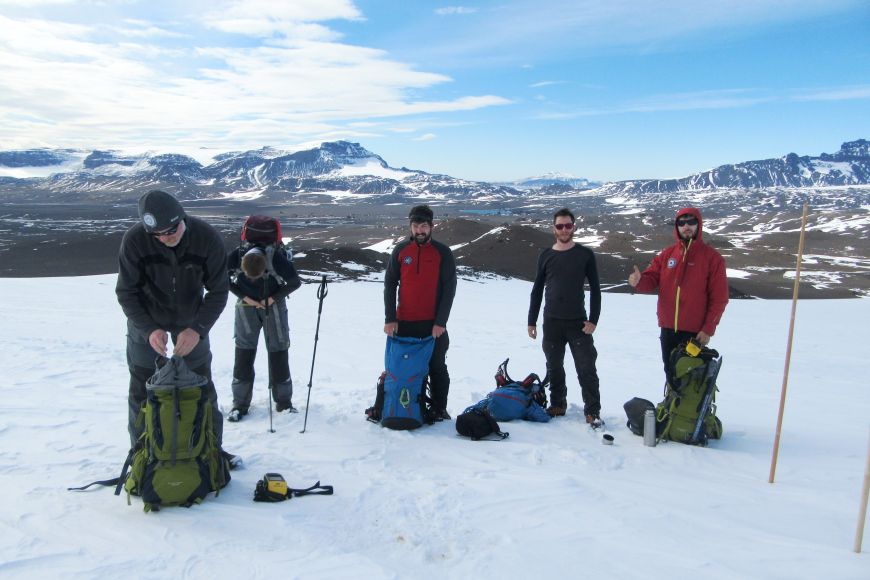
x,y
340,198
848,166
339,169
554,180
349,172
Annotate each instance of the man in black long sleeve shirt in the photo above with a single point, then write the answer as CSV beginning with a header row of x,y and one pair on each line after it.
x,y
562,270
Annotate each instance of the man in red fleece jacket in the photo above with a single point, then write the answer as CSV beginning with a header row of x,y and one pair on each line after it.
x,y
690,278
421,273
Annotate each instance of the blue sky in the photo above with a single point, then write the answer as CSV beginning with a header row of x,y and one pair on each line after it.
x,y
607,90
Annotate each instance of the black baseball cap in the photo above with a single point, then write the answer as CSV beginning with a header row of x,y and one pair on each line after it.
x,y
159,211
421,213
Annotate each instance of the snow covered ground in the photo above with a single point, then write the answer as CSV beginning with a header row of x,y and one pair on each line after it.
x,y
549,501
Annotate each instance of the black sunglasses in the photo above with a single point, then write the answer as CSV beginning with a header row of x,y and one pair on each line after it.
x,y
167,232
691,221
563,226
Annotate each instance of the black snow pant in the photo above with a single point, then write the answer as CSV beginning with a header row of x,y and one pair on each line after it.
x,y
670,339
439,378
558,333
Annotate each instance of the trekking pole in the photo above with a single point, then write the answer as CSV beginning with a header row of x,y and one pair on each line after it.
x,y
797,279
862,514
268,358
321,294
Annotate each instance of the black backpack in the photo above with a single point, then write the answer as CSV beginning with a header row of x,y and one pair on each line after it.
x,y
635,410
477,425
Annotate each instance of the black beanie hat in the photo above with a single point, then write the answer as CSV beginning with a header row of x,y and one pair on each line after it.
x,y
421,213
159,211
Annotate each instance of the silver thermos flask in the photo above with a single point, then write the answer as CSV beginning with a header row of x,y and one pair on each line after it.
x,y
649,428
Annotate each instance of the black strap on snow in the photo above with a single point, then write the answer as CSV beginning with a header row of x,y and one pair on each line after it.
x,y
118,482
502,435
315,489
106,482
262,493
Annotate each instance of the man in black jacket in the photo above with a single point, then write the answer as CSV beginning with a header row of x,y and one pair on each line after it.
x,y
166,261
562,270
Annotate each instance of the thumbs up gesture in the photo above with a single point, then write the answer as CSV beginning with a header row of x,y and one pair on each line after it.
x,y
634,277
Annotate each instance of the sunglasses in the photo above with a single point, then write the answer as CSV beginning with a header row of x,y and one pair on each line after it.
x,y
167,232
689,221
561,227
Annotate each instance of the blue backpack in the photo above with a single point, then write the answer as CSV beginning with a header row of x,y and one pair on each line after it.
x,y
406,360
511,400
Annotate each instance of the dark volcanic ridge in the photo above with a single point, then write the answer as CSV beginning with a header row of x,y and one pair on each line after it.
x,y
60,240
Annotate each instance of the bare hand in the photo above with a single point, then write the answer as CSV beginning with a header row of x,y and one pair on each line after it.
x,y
634,277
703,338
390,328
186,342
438,331
251,302
533,331
588,327
158,340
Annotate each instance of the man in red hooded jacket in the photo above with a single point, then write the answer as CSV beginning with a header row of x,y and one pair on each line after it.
x,y
692,285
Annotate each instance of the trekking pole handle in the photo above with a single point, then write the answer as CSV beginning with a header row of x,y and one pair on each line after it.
x,y
322,291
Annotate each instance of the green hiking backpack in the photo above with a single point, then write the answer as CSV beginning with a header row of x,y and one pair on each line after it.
x,y
177,460
688,412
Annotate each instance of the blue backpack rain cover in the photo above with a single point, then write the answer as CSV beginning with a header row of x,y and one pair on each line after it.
x,y
515,400
406,361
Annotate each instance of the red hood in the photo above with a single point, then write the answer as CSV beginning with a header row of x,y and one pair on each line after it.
x,y
693,211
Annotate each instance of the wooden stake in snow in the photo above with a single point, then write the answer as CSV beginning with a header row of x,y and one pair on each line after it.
x,y
797,279
862,513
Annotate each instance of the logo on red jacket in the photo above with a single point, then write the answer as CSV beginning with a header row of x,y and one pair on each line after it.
x,y
672,263
407,260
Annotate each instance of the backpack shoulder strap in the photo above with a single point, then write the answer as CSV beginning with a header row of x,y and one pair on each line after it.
x,y
270,268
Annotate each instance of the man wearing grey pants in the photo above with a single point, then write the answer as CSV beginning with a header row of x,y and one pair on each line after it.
x,y
262,278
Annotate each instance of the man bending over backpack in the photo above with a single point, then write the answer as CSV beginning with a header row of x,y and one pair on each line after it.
x,y
262,278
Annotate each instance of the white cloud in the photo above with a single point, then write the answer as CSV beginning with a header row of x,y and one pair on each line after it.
x,y
521,30
68,84
846,93
693,100
292,19
143,29
722,99
33,3
451,10
425,137
545,84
